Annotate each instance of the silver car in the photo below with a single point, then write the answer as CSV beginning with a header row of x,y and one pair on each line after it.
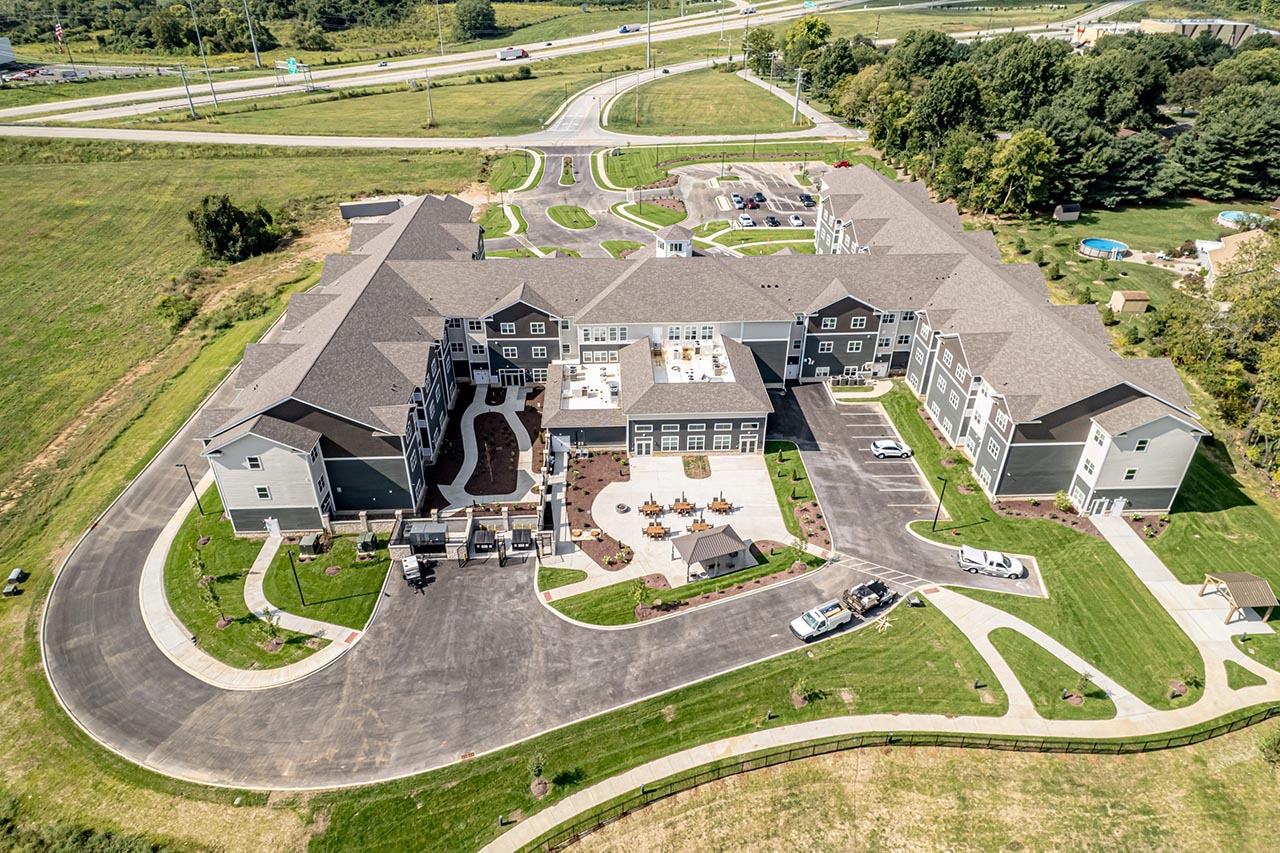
x,y
889,447
976,561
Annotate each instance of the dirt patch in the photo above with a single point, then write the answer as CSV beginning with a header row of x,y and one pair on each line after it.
x,y
498,453
799,700
272,646
849,698
697,467
986,697
1075,699
539,788
762,548
313,643
225,622
813,524
669,713
1147,525
644,612
1046,511
584,480
332,570
656,581
495,395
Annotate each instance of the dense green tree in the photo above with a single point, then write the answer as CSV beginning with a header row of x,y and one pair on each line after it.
x,y
1253,66
952,99
922,52
1258,41
1209,50
473,19
1231,149
1120,88
1018,178
1173,51
1137,171
760,46
805,34
835,62
962,161
1021,75
1190,88
854,97
889,120
224,232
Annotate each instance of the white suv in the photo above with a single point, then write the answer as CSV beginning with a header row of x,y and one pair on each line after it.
x,y
746,221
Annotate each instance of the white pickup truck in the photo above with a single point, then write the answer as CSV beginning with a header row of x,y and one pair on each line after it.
x,y
976,561
821,619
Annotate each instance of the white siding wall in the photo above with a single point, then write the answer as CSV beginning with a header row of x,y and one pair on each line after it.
x,y
286,472
1171,446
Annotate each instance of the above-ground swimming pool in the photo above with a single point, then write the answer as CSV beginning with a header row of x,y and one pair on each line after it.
x,y
1239,219
1099,247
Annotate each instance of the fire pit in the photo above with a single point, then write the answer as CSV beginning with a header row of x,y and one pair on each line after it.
x,y
622,508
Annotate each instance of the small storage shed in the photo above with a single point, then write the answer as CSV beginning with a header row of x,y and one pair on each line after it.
x,y
1242,589
484,539
309,545
1129,302
367,543
521,539
1066,213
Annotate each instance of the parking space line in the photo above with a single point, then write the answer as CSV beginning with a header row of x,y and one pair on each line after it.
x,y
911,505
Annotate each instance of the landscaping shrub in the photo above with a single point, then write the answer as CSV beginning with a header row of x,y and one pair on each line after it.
x,y
225,232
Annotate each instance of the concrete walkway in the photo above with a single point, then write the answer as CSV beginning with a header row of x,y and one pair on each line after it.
x,y
456,492
255,598
174,640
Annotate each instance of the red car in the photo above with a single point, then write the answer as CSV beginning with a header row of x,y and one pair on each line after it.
x,y
843,164
752,204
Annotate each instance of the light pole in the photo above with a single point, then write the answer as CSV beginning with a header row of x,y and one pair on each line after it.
x,y
182,70
200,43
431,112
439,29
190,483
252,38
302,598
938,511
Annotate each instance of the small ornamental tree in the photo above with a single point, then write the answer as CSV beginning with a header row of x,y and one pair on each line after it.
x,y
473,19
1062,501
224,232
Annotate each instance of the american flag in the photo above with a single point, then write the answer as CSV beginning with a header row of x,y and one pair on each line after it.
x,y
57,31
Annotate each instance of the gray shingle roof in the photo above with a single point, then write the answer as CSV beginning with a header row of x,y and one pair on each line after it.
x,y
290,435
708,544
1136,412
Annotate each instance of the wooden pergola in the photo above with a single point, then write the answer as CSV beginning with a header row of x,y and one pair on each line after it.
x,y
1242,589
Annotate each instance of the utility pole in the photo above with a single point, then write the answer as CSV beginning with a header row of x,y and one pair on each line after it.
x,y
200,43
57,22
795,110
253,39
431,113
182,69
637,97
439,29
648,34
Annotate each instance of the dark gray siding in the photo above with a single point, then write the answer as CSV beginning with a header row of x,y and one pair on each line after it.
x,y
369,484
290,518
1072,423
708,433
524,359
594,436
338,436
522,315
942,384
898,362
771,359
1039,469
839,358
1146,499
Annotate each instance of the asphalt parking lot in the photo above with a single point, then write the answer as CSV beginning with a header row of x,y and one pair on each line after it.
x,y
776,180
869,502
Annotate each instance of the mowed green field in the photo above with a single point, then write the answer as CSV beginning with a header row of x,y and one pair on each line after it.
x,y
895,24
700,102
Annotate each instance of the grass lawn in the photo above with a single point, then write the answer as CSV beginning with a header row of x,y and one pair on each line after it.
x,y
706,229
512,170
617,247
782,457
1264,648
509,253
651,216
227,559
615,604
346,599
571,216
639,165
895,24
1238,677
701,102
760,234
572,253
1044,677
924,665
772,248
853,389
54,95
550,577
1206,797
495,222
567,178
1096,606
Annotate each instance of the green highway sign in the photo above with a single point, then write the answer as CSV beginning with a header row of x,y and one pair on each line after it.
x,y
293,65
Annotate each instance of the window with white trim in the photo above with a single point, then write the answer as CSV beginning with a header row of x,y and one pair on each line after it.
x,y
908,316
946,425
723,427
749,427
673,333
961,373
539,352
586,335
706,333
721,442
644,428
854,346
477,349
920,356
822,371
850,370
1099,437
510,352
985,476
566,349
537,328
695,443
993,448
671,427
253,463
696,427
904,340
474,326
670,444
1002,420
857,322
453,323
954,399
1141,446
264,493
1088,466
456,347
942,383
564,325
315,451
934,409
826,346
538,374
613,355
690,333
947,357
828,322
888,319
506,328
320,484
1130,474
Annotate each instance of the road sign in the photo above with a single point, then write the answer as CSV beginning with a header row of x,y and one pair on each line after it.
x,y
293,65
809,4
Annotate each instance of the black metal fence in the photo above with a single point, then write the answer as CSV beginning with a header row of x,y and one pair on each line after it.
x,y
589,822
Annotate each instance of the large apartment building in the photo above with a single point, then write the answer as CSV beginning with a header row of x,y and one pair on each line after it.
x,y
673,351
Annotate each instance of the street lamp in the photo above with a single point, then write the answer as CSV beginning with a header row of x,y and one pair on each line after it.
x,y
938,511
296,582
194,494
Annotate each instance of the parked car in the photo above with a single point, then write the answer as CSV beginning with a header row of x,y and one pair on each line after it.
x,y
772,222
995,563
807,200
842,164
752,204
759,197
796,221
746,221
738,203
883,447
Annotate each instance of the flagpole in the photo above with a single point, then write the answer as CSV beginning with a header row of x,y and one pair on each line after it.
x,y
57,23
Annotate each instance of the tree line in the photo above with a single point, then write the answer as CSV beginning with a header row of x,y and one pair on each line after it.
x,y
1012,122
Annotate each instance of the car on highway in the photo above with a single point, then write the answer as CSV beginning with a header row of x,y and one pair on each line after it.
x,y
746,221
796,221
995,563
759,197
738,203
382,64
880,448
772,222
807,200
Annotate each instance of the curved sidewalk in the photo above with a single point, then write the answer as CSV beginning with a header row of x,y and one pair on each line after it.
x,y
173,638
456,492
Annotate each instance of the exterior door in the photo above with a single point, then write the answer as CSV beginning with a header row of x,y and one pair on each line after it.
x,y
511,377
747,444
479,374
644,447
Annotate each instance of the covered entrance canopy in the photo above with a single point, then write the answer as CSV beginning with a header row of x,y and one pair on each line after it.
x,y
1242,589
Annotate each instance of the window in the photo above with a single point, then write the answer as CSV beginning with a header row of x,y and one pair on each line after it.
x,y
884,342
264,493
1141,446
477,349
707,332
1088,466
453,323
565,349
822,371
320,483
586,335
254,463
826,346
904,340
538,374
1099,437
749,427
942,383
858,323
613,355
670,443
539,352
697,427
854,346
908,316
673,333
946,425
954,399
537,328
474,326
645,428
850,370
315,451
795,344
722,442
1130,474
993,448
671,427
564,325
510,352
961,373
799,319
985,476
947,358
456,347
506,328
690,333
695,443
828,322
888,319
920,356
934,409
925,331
1002,420
723,427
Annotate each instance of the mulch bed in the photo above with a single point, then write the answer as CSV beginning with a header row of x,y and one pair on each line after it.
x,y
1154,520
668,203
332,570
697,467
272,646
1046,511
813,525
495,472
645,612
584,480
449,459
531,417
495,395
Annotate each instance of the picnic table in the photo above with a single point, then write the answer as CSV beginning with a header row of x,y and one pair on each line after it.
x,y
655,531
682,507
651,509
721,505
699,526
